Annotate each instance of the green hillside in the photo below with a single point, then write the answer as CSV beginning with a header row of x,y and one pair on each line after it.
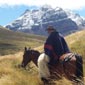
x,y
12,42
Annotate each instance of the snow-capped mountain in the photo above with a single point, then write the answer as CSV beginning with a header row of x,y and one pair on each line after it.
x,y
76,18
36,21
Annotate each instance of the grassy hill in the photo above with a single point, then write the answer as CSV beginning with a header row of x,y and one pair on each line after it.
x,y
10,74
12,42
76,43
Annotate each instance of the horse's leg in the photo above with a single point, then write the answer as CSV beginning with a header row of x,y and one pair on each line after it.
x,y
48,81
45,81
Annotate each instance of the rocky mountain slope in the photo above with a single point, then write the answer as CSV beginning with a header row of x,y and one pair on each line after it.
x,y
35,21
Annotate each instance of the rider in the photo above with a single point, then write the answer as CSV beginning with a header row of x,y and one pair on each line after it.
x,y
54,47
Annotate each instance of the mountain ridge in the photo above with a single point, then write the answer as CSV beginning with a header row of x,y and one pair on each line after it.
x,y
36,21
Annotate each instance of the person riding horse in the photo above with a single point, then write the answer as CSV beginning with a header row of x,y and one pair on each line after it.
x,y
54,47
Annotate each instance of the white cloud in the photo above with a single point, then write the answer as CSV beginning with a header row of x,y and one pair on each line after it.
x,y
66,4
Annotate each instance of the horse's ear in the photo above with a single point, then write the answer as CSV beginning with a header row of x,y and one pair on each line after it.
x,y
25,48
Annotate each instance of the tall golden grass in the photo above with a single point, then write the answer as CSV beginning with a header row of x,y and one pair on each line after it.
x,y
11,74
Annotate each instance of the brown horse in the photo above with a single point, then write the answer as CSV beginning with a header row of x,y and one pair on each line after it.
x,y
69,65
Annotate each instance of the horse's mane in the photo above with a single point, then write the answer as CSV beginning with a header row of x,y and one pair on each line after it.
x,y
36,51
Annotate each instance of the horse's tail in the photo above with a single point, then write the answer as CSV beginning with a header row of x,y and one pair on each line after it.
x,y
79,65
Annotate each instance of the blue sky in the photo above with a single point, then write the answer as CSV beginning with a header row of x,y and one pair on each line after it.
x,y
12,9
8,14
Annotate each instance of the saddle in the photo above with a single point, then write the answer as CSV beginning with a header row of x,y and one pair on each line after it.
x,y
64,58
67,57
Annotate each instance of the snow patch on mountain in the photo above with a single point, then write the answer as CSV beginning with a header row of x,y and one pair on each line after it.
x,y
75,17
35,21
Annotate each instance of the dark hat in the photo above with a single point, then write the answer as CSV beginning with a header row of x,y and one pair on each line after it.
x,y
50,28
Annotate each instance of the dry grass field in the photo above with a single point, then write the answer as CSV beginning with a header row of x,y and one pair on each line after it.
x,y
11,74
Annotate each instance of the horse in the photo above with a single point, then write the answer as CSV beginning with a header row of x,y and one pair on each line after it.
x,y
69,65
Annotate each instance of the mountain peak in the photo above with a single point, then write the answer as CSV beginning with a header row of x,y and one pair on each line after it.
x,y
58,9
45,7
35,21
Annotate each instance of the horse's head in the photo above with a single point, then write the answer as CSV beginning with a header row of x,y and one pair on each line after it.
x,y
29,55
26,57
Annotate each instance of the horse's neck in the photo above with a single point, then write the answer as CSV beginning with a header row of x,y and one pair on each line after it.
x,y
35,58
